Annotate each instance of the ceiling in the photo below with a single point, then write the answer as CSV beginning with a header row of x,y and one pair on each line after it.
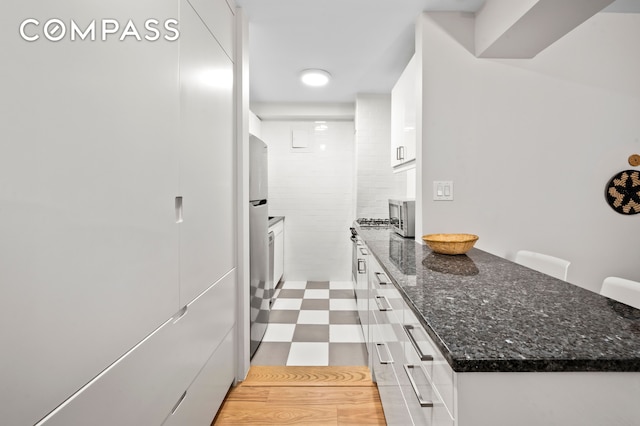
x,y
364,44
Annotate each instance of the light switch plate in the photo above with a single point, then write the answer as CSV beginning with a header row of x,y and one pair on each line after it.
x,y
442,190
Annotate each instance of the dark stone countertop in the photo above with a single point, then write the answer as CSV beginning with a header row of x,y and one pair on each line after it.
x,y
489,314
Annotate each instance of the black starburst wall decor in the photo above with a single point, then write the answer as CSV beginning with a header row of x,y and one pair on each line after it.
x,y
623,192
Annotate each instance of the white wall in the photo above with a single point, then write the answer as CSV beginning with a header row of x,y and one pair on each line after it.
x,y
313,189
376,182
530,145
255,125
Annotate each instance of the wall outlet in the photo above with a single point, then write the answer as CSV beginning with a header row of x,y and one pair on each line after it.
x,y
442,190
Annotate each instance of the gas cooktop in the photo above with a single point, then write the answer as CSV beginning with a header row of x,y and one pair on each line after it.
x,y
366,222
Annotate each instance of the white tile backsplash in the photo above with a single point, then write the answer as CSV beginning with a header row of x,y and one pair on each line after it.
x,y
376,182
314,190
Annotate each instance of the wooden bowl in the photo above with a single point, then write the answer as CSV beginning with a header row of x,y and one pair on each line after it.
x,y
450,243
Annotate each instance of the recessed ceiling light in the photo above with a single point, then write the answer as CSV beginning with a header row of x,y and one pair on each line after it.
x,y
315,78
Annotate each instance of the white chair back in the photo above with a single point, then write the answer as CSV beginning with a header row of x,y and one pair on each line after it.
x,y
622,290
544,263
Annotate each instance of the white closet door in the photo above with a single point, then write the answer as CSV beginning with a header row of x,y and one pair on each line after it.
x,y
207,172
140,389
88,176
218,17
144,386
204,397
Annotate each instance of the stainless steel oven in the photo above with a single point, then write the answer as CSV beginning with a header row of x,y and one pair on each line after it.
x,y
360,278
358,264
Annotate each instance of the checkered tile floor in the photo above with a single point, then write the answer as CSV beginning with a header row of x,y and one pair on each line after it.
x,y
313,323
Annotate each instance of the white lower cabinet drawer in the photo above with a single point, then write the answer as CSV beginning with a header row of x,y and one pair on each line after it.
x,y
138,389
143,386
428,416
383,365
438,369
205,323
198,405
415,382
385,350
441,416
423,402
395,409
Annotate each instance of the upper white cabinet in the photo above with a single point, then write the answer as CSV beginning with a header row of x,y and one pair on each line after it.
x,y
404,106
207,172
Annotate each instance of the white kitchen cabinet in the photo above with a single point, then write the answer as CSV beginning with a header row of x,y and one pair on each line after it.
x,y
278,251
205,322
218,16
91,255
143,386
140,388
381,308
405,97
400,369
386,348
88,174
207,172
433,377
200,402
361,290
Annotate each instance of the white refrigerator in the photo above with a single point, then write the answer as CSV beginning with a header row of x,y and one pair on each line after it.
x,y
261,288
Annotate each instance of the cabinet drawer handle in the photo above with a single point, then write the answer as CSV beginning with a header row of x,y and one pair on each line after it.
x,y
423,357
362,266
407,369
401,147
380,280
389,360
383,308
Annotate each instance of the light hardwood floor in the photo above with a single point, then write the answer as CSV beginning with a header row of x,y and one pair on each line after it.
x,y
279,395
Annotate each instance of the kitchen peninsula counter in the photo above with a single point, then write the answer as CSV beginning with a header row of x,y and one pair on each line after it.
x,y
487,314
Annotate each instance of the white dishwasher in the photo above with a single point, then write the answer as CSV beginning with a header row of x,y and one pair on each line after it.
x,y
278,251
272,283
